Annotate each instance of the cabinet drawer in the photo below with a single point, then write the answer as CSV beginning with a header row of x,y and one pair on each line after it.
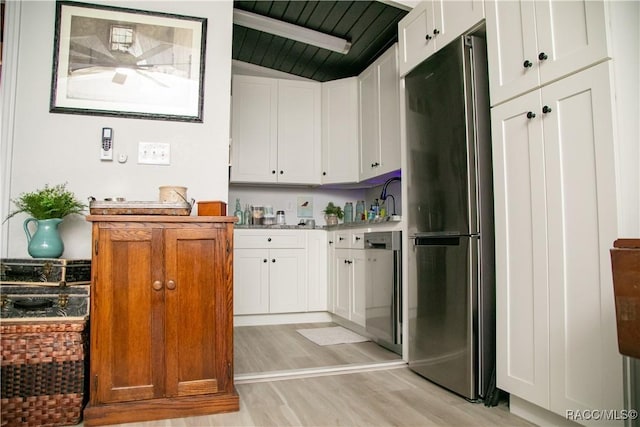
x,y
357,239
271,239
343,239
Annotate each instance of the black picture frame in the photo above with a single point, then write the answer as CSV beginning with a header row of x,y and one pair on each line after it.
x,y
122,62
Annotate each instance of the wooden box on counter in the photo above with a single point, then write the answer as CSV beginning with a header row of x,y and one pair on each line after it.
x,y
161,318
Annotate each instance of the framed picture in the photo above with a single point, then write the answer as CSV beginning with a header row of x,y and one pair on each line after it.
x,y
114,61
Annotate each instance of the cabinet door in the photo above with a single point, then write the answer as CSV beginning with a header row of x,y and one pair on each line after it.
x,y
251,281
415,36
511,48
358,289
369,122
287,281
454,18
340,131
343,274
389,111
317,269
254,129
572,34
299,132
331,273
522,325
581,194
127,312
197,294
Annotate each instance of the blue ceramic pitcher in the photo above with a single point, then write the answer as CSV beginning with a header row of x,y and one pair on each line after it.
x,y
46,241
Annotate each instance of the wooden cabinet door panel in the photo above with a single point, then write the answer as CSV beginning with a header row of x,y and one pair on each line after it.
x,y
193,273
127,361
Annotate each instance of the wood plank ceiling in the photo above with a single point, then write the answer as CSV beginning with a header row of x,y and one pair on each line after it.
x,y
370,26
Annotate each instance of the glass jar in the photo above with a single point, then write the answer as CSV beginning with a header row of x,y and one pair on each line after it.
x,y
348,212
360,215
280,218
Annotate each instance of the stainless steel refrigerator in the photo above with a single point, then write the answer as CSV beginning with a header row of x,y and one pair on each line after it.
x,y
450,219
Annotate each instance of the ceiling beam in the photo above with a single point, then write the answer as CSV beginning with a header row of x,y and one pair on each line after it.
x,y
290,31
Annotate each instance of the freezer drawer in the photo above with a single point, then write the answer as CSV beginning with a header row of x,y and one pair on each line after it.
x,y
443,277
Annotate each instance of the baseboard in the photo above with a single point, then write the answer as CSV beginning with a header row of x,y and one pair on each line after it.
x,y
281,319
536,414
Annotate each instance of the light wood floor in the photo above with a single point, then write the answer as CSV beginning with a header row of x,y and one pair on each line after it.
x,y
280,347
394,397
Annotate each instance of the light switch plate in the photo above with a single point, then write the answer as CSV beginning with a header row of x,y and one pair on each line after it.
x,y
154,153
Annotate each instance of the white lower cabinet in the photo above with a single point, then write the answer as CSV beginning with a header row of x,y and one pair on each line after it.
x,y
555,216
250,281
347,280
270,273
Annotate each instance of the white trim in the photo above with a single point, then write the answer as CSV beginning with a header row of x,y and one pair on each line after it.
x,y
317,372
247,69
536,414
281,319
8,96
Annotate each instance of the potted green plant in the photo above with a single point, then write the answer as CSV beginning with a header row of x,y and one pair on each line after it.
x,y
47,207
333,213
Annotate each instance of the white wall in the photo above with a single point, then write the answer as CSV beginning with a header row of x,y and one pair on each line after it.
x,y
46,148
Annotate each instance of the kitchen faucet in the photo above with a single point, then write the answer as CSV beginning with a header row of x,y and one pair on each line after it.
x,y
384,195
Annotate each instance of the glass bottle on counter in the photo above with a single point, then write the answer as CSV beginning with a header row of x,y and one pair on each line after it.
x,y
238,212
348,212
248,220
360,215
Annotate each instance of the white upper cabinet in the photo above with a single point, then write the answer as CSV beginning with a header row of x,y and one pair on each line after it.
x,y
431,25
340,131
299,132
254,129
532,43
275,131
379,95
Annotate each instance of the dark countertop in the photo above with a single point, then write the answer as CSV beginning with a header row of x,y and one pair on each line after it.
x,y
341,226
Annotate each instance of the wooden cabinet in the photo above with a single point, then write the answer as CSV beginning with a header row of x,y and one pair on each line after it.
x,y
532,43
161,327
431,25
270,268
555,216
348,276
340,131
275,131
379,100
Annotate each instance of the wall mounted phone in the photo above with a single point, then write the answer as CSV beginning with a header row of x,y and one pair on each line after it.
x,y
106,149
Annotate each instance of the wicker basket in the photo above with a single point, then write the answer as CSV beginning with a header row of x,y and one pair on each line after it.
x,y
43,372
